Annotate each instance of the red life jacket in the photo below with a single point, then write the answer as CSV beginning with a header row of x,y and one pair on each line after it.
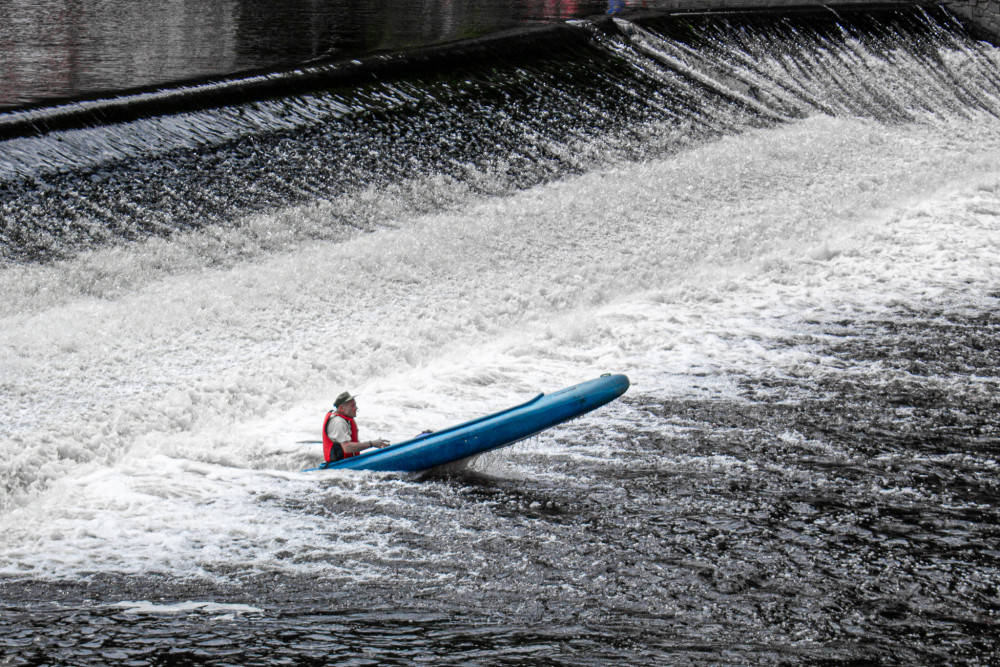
x,y
328,444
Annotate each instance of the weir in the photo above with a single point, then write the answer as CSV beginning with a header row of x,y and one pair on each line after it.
x,y
490,116
980,18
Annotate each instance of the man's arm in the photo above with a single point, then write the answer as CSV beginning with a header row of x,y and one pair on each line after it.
x,y
340,432
355,447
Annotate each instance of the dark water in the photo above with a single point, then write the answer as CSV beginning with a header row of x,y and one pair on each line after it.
x,y
63,49
879,549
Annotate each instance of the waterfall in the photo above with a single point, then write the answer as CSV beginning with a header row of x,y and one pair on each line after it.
x,y
600,92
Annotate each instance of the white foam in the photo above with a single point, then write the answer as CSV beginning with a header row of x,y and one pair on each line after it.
x,y
154,431
185,608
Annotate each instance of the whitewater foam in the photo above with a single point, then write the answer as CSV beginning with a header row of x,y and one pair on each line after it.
x,y
149,431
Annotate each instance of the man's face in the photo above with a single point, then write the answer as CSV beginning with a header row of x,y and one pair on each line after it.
x,y
350,408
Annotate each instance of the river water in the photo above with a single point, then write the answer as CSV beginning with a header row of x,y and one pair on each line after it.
x,y
784,229
55,49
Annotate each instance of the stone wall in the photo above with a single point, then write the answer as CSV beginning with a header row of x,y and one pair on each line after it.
x,y
721,5
981,17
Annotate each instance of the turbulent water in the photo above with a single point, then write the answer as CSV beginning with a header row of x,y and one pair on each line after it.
x,y
784,229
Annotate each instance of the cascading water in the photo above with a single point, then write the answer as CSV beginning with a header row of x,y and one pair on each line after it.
x,y
634,91
782,227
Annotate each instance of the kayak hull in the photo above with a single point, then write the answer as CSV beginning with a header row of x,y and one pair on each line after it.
x,y
502,428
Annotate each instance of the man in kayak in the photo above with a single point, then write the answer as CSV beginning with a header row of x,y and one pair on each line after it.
x,y
340,432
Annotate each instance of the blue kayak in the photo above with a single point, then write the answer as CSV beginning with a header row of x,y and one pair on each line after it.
x,y
490,432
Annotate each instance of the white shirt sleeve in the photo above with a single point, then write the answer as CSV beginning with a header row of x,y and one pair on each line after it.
x,y
338,430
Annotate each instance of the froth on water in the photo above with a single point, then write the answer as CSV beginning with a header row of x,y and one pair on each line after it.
x,y
803,468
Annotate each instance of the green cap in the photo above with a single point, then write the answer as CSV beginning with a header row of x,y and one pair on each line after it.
x,y
343,398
